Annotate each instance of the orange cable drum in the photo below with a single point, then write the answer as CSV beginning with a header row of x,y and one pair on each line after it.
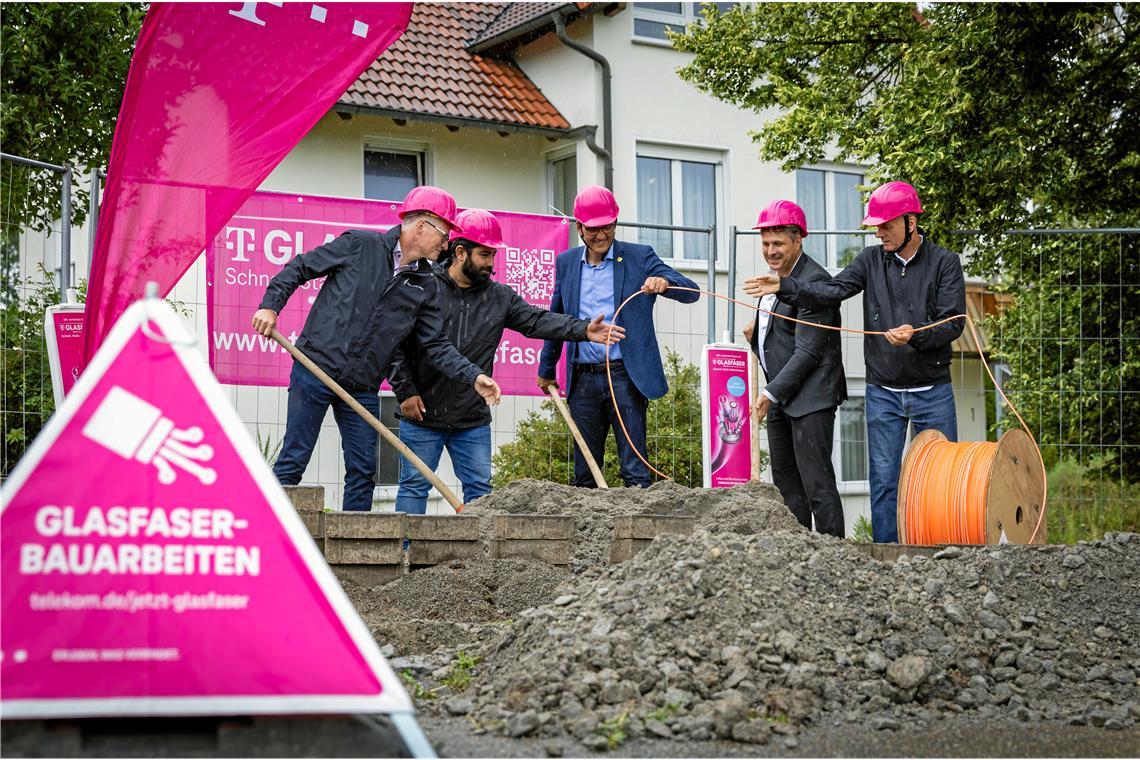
x,y
969,493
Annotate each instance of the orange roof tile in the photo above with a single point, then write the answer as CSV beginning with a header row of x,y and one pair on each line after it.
x,y
429,71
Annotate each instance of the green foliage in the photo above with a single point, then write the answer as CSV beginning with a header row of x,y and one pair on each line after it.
x,y
1002,114
26,400
1070,340
269,450
614,730
1084,504
64,67
418,692
459,678
543,446
661,714
861,531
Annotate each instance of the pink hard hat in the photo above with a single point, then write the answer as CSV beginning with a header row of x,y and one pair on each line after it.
x,y
891,201
479,227
781,213
595,206
433,200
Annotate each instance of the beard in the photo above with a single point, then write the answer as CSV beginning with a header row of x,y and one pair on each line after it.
x,y
475,274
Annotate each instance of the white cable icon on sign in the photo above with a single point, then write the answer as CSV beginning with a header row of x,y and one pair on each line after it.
x,y
134,429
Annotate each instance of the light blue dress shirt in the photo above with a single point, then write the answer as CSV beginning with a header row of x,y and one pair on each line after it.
x,y
597,297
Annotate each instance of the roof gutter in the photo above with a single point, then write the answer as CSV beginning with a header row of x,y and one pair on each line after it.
x,y
457,122
606,153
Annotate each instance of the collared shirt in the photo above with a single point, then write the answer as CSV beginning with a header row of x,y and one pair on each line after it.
x,y
768,303
397,257
596,296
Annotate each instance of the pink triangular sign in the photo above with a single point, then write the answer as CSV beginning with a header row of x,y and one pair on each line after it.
x,y
152,565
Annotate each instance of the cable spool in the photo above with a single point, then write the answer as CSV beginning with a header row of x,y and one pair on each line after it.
x,y
971,492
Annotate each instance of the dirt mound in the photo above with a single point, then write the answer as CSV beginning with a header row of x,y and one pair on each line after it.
x,y
746,509
737,636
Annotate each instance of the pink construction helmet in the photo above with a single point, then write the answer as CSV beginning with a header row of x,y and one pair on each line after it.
x,y
780,214
891,201
595,206
480,227
433,200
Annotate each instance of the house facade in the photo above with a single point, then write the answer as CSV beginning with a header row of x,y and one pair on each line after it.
x,y
507,106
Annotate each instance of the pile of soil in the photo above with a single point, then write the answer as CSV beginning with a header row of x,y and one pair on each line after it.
x,y
745,509
743,637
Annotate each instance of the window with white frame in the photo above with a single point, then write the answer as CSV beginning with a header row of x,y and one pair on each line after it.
x,y
563,174
678,187
853,463
831,201
389,174
651,20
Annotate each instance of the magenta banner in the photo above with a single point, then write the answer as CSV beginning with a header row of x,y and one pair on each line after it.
x,y
272,228
152,564
63,330
725,407
217,95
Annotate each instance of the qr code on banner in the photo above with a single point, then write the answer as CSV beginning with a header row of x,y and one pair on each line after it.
x,y
530,273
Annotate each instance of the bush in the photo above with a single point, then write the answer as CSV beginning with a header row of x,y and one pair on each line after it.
x,y
1084,503
544,449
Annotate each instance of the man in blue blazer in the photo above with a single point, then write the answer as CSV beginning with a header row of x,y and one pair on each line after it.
x,y
595,279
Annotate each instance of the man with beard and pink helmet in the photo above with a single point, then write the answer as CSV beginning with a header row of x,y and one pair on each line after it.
x,y
907,282
438,411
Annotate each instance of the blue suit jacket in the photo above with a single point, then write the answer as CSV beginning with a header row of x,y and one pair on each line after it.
x,y
632,264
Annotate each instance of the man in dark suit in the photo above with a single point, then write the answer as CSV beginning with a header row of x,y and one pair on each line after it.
x,y
804,369
593,280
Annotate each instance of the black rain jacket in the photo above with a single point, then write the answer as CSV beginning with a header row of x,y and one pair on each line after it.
x,y
931,287
475,318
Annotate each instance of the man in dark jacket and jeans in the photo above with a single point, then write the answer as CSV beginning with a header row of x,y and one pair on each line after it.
x,y
437,411
377,291
907,282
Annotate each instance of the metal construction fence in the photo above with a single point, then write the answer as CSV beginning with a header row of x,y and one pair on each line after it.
x,y
1060,329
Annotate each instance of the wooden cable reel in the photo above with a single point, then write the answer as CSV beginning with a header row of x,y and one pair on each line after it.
x,y
997,487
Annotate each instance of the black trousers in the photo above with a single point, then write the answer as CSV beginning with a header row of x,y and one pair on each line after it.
x,y
801,466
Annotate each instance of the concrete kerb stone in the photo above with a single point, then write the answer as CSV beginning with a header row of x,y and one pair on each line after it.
x,y
424,553
306,499
364,525
441,528
651,526
534,527
368,575
549,551
622,549
364,551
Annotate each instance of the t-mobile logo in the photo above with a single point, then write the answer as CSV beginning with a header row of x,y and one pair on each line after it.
x,y
317,13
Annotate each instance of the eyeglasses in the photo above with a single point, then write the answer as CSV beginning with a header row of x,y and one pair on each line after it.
x,y
599,231
444,233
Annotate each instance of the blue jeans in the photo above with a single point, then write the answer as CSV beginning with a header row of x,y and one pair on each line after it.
x,y
470,452
593,412
887,415
309,399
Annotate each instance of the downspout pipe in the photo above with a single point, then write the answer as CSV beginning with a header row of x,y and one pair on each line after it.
x,y
606,153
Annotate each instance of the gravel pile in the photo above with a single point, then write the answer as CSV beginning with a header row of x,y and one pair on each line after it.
x,y
746,509
743,637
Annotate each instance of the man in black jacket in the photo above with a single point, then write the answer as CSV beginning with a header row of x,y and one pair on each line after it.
x,y
907,282
376,292
804,369
437,411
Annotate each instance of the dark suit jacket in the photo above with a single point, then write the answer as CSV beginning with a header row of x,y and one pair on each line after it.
x,y
805,364
639,351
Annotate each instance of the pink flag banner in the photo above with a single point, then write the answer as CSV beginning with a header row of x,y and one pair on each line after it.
x,y
152,565
272,228
217,95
